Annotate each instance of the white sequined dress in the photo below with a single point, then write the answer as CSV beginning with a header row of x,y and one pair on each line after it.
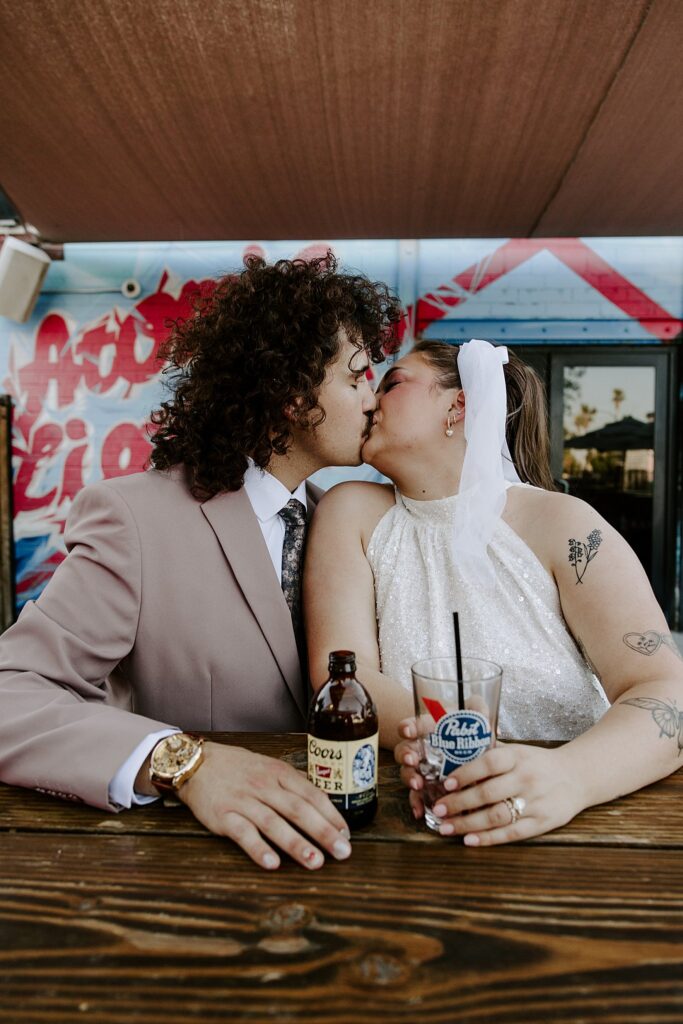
x,y
549,692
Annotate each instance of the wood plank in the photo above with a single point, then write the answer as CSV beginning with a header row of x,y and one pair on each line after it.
x,y
132,928
652,817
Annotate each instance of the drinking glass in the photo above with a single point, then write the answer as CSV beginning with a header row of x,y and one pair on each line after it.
x,y
456,720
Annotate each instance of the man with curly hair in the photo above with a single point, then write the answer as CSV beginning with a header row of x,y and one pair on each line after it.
x,y
178,605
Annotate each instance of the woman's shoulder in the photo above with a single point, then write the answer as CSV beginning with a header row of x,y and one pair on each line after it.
x,y
357,495
550,508
357,504
547,520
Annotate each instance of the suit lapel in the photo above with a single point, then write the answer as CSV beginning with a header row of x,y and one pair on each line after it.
x,y
232,519
313,496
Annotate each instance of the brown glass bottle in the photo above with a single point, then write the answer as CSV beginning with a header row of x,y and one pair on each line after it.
x,y
342,742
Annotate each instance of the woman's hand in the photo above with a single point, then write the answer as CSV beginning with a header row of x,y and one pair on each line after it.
x,y
474,803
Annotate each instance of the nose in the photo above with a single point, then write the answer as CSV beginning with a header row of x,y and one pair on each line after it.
x,y
369,400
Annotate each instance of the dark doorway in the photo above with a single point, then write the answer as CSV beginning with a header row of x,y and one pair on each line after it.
x,y
613,441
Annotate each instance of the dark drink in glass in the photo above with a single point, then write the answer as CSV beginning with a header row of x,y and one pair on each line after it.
x,y
343,736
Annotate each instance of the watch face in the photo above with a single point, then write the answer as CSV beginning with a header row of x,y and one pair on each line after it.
x,y
173,753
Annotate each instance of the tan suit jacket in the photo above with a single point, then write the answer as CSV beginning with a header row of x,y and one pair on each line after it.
x,y
167,611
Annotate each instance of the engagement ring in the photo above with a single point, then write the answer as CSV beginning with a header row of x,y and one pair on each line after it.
x,y
515,806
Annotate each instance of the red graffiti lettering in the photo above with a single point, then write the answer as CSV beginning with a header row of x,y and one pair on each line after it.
x,y
52,365
112,349
44,445
125,450
74,464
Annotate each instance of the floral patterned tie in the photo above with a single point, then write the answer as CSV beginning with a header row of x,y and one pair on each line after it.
x,y
294,515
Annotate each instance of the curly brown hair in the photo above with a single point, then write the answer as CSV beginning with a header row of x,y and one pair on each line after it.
x,y
263,338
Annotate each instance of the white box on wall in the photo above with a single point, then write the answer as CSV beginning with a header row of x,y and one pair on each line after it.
x,y
22,270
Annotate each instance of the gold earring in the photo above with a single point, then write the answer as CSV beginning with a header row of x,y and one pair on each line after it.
x,y
449,426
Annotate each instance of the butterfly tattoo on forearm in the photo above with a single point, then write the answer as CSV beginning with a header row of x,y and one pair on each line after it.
x,y
666,716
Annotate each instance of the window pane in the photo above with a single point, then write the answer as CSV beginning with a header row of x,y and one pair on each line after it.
x,y
609,458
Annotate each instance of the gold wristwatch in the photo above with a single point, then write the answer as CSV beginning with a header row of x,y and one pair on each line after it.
x,y
174,760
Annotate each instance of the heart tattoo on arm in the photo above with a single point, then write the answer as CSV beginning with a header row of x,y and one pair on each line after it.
x,y
650,642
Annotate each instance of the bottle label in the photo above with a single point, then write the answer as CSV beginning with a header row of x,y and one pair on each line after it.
x,y
346,770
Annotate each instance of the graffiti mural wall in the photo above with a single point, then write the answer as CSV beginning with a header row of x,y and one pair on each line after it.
x,y
83,373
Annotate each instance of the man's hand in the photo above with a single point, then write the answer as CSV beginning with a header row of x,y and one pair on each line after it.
x,y
251,798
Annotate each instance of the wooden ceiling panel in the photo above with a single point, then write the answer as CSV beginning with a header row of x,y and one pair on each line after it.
x,y
629,170
173,119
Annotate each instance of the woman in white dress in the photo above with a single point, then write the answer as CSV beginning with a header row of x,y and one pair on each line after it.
x,y
543,586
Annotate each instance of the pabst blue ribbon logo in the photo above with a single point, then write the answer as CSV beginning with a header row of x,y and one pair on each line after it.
x,y
460,736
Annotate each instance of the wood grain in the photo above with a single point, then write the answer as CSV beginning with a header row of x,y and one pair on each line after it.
x,y
650,818
133,928
145,916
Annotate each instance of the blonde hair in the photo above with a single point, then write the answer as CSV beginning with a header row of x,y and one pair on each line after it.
x,y
526,426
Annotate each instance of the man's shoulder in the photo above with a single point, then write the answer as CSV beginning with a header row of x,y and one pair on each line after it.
x,y
146,482
148,489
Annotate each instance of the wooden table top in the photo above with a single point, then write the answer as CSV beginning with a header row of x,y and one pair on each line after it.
x,y
145,916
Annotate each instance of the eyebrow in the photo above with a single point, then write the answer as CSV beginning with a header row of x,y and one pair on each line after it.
x,y
388,375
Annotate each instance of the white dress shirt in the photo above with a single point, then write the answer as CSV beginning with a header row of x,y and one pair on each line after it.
x,y
267,496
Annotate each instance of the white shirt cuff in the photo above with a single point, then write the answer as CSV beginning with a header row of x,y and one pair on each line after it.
x,y
121,791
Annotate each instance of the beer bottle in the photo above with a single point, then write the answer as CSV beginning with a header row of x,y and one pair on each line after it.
x,y
342,742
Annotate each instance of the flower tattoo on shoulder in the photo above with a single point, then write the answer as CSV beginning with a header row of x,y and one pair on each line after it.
x,y
581,553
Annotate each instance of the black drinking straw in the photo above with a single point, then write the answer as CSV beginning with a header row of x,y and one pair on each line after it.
x,y
458,661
